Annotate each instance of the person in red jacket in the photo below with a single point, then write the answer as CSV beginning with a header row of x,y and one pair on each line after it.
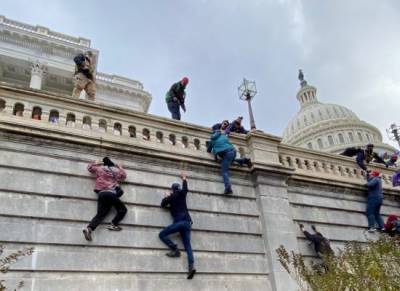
x,y
108,178
392,225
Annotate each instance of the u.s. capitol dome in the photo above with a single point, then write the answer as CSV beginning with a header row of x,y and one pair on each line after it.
x,y
328,127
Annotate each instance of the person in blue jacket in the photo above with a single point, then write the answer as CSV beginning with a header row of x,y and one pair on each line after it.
x,y
220,146
374,201
175,201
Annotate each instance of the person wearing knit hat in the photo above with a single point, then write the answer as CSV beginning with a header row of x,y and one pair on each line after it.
x,y
175,98
374,201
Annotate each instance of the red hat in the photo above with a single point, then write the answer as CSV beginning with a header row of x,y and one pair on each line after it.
x,y
185,80
394,157
375,174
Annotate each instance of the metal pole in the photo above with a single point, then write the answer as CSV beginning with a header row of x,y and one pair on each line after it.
x,y
252,122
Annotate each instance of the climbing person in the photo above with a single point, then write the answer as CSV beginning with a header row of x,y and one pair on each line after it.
x,y
236,126
108,178
374,201
175,98
175,201
220,146
84,78
220,126
392,225
363,156
321,244
392,161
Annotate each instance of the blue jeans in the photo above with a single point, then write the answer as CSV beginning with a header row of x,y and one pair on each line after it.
x,y
227,159
173,107
373,212
183,227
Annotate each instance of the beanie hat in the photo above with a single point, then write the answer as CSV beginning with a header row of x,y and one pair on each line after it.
x,y
175,186
375,174
185,81
107,162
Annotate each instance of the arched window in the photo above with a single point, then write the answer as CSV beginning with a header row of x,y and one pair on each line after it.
x,y
305,120
87,122
2,104
320,144
359,136
146,134
185,142
351,137
159,137
330,140
196,143
172,139
70,120
309,145
132,131
368,137
54,116
117,129
102,125
18,109
37,113
341,139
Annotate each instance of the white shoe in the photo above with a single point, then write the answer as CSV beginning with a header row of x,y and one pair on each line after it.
x,y
371,229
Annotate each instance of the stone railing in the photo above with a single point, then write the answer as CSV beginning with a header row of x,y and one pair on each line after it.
x,y
44,31
322,166
118,80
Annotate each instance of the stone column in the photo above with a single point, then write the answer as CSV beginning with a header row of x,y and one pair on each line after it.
x,y
38,70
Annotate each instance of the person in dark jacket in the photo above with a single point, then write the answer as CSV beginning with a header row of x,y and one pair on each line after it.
x,y
374,201
236,126
220,146
175,201
363,157
321,244
220,126
175,98
108,178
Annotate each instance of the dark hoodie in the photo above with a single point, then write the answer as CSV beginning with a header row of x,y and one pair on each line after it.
x,y
176,202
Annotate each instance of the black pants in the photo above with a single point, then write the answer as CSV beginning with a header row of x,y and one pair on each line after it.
x,y
108,199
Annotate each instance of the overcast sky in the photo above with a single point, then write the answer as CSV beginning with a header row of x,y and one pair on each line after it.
x,y
348,49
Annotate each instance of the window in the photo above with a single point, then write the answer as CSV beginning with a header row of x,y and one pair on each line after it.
x,y
351,137
18,109
341,139
320,144
87,122
70,120
102,125
330,140
309,145
117,129
132,131
368,137
54,116
359,136
37,113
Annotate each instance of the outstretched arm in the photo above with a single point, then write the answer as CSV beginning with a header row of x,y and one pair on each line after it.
x,y
184,184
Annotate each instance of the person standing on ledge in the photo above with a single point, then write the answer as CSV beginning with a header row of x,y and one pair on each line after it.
x,y
175,98
175,201
374,201
108,178
84,75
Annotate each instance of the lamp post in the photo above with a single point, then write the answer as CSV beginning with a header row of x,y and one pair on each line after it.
x,y
393,132
247,91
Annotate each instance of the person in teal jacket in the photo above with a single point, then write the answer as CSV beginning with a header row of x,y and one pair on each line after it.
x,y
220,146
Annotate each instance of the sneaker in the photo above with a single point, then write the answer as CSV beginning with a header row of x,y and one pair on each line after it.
x,y
87,232
191,273
174,254
228,191
114,227
371,229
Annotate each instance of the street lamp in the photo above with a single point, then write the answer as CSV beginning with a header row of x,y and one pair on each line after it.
x,y
247,91
393,132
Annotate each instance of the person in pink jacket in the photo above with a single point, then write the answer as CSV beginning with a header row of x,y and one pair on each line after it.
x,y
108,178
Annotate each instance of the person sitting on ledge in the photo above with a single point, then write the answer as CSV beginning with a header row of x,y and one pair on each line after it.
x,y
374,201
175,201
108,178
220,146
362,156
321,244
236,126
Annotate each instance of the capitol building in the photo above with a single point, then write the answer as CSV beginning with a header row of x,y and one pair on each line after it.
x,y
329,127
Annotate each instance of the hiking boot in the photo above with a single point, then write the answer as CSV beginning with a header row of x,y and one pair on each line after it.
x,y
114,227
191,273
228,191
87,232
174,254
